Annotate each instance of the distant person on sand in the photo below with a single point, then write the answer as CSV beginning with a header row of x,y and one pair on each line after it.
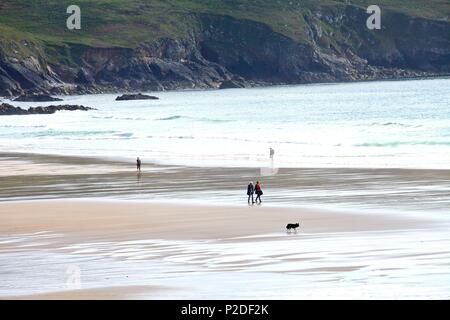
x,y
250,192
138,164
258,192
272,153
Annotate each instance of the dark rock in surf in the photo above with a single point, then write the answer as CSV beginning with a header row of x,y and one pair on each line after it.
x,y
53,109
138,96
8,110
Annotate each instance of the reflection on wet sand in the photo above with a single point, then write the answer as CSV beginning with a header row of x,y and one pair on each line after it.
x,y
155,251
26,177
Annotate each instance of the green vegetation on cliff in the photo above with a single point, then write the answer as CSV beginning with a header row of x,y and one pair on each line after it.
x,y
131,22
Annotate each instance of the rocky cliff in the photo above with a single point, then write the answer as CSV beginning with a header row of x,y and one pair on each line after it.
x,y
226,51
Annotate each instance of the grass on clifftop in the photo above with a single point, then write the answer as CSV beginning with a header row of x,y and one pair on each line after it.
x,y
127,23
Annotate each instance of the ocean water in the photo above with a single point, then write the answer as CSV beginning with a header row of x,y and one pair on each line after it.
x,y
391,124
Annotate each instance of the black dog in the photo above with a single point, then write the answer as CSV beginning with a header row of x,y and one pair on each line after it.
x,y
292,226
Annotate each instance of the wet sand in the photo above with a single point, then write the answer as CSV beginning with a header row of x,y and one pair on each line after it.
x,y
178,232
109,293
128,250
33,176
128,220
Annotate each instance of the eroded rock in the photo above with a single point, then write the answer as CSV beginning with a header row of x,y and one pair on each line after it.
x,y
9,110
138,96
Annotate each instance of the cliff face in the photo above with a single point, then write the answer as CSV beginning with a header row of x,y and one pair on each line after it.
x,y
29,74
404,42
222,49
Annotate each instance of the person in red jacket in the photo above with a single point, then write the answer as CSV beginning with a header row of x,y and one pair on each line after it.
x,y
258,192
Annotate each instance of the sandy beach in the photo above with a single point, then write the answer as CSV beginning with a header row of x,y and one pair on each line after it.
x,y
118,238
128,220
176,232
45,177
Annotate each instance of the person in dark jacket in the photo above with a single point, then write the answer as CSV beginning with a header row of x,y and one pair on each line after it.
x,y
138,164
250,192
258,192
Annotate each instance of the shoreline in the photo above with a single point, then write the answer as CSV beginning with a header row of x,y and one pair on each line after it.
x,y
130,162
258,86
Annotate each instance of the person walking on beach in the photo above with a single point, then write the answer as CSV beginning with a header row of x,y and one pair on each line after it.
x,y
138,164
258,192
250,192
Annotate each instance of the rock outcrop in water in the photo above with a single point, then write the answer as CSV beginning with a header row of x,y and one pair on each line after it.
x,y
36,98
138,96
330,43
8,110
